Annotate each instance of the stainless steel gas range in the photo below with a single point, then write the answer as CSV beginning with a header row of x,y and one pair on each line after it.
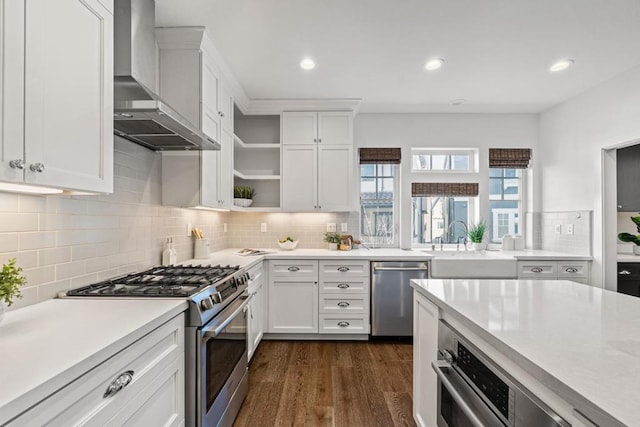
x,y
216,331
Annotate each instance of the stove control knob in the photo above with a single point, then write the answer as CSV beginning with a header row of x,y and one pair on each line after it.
x,y
216,297
206,304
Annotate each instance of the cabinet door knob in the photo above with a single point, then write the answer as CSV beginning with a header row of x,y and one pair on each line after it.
x,y
343,324
37,167
17,164
343,304
119,383
319,139
537,269
293,268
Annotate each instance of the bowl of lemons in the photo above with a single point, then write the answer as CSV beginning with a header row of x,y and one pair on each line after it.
x,y
287,243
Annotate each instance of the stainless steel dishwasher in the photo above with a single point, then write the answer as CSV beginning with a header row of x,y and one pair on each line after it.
x,y
392,297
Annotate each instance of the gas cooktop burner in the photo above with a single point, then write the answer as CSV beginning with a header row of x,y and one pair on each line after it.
x,y
173,281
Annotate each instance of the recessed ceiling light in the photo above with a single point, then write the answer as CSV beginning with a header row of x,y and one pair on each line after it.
x,y
307,64
561,65
433,64
458,101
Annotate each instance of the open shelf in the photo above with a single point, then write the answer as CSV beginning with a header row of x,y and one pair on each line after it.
x,y
255,209
239,143
255,177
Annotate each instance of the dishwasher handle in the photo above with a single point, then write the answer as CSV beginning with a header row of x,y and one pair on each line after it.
x,y
425,269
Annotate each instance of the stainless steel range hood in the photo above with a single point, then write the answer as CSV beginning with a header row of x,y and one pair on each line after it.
x,y
139,114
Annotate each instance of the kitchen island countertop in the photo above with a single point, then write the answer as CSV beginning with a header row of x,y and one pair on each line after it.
x,y
579,341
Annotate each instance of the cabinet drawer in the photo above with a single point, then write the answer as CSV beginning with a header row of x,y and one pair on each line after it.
x,y
344,323
82,401
351,285
573,270
537,270
293,268
345,268
331,303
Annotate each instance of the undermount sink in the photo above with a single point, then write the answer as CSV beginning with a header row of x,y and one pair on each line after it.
x,y
471,265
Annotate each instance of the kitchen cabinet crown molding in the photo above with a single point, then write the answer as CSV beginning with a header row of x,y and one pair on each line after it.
x,y
278,106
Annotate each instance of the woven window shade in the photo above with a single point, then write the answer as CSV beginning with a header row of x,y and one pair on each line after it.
x,y
427,189
516,158
369,156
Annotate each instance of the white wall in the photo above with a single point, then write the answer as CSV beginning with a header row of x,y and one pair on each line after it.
x,y
482,131
572,136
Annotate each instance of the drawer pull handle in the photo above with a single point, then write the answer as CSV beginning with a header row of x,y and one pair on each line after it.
x,y
343,269
343,324
624,272
537,269
119,383
343,285
343,304
571,270
294,268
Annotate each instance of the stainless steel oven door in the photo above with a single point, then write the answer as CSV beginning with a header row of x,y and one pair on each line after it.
x,y
223,365
458,404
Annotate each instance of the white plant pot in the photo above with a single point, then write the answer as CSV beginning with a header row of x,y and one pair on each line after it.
x,y
3,308
636,250
333,246
243,203
480,246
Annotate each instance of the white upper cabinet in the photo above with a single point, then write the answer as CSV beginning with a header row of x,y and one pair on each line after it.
x,y
334,177
65,90
308,127
317,157
299,127
190,83
335,128
299,178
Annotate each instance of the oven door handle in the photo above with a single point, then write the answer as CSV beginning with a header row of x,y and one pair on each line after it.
x,y
215,329
439,367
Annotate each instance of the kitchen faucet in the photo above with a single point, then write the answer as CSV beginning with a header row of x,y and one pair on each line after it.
x,y
466,232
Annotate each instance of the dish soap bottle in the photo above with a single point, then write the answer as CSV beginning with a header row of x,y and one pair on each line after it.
x,y
169,255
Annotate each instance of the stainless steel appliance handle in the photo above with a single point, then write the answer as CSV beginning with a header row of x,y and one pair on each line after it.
x,y
438,367
215,329
400,269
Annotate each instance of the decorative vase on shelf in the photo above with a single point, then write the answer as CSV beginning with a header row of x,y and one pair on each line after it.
x,y
244,203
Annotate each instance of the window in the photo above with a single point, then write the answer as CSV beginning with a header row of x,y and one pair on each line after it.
x,y
505,196
450,160
436,217
378,201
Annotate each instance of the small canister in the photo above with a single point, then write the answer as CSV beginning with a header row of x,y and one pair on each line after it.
x,y
518,242
201,249
508,242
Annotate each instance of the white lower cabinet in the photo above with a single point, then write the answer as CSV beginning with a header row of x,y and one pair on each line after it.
x,y
326,297
578,271
293,296
257,305
425,350
153,397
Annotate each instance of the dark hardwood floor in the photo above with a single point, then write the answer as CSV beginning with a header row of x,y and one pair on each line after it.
x,y
341,384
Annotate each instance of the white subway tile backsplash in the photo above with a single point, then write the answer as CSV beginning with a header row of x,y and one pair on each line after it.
x,y
37,240
9,242
69,270
40,275
54,256
9,202
18,222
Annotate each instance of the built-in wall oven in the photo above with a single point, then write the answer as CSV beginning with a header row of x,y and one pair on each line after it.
x,y
474,392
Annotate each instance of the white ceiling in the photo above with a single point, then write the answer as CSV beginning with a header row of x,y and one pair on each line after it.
x,y
497,52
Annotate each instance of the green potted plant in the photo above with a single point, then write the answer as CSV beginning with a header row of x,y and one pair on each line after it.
x,y
243,195
633,238
476,233
333,239
11,279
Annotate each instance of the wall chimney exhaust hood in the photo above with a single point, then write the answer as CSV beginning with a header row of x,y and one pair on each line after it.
x,y
139,114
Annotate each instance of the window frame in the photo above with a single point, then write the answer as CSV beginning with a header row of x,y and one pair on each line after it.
x,y
471,152
395,209
521,200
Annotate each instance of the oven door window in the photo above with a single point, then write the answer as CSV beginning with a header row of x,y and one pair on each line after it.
x,y
222,354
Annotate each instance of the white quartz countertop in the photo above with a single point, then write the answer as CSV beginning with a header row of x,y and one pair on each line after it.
x,y
45,346
229,256
580,341
628,258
